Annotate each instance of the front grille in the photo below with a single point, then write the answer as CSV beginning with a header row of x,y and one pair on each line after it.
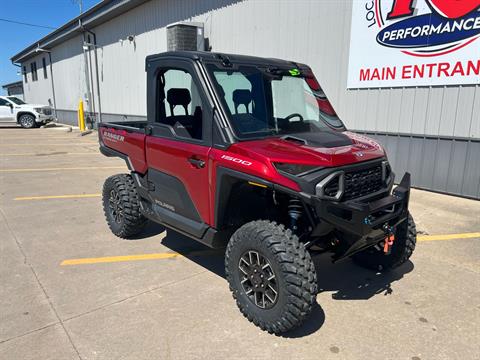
x,y
362,182
47,111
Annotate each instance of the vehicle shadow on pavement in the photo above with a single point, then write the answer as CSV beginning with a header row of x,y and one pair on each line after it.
x,y
349,281
313,323
345,279
210,259
213,260
152,229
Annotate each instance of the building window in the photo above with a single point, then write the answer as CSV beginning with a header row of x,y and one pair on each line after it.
x,y
33,68
44,64
25,74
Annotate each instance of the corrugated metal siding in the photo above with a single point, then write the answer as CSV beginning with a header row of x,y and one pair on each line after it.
x,y
440,164
68,76
69,73
313,32
40,91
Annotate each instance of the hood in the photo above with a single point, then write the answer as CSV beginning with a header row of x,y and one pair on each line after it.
x,y
334,149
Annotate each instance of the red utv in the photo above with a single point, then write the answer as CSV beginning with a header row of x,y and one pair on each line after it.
x,y
248,153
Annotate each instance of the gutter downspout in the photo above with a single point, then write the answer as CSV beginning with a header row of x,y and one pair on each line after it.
x,y
87,78
91,75
99,102
53,86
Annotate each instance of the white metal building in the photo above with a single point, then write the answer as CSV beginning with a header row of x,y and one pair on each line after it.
x,y
433,132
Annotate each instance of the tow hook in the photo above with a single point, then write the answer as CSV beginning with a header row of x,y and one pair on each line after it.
x,y
389,239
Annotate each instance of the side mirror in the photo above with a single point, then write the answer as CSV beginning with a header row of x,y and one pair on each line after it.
x,y
10,105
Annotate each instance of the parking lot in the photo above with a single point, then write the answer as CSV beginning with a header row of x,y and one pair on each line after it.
x,y
72,290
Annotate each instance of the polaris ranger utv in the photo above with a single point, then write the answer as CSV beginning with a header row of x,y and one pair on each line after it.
x,y
248,153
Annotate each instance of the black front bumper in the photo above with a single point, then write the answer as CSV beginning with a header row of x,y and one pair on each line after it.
x,y
368,219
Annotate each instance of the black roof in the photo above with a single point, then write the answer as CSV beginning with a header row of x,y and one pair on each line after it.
x,y
220,57
12,84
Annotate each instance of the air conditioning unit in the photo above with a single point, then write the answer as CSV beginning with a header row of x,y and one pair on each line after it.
x,y
185,36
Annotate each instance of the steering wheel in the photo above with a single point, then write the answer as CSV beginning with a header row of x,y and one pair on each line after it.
x,y
291,116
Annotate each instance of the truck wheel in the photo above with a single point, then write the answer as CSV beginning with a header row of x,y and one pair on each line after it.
x,y
121,205
271,275
402,249
27,121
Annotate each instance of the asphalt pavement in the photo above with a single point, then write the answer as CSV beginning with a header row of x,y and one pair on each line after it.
x,y
72,290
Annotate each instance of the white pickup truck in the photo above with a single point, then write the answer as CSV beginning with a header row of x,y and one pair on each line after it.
x,y
12,109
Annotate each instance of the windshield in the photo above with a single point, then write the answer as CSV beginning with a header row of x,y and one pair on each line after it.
x,y
16,100
269,102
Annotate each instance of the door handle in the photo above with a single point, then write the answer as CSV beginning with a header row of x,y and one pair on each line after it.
x,y
197,162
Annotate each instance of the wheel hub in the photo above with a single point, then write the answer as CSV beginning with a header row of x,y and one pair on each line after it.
x,y
27,121
115,206
258,279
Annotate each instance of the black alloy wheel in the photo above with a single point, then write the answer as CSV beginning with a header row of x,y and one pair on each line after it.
x,y
121,205
258,279
115,205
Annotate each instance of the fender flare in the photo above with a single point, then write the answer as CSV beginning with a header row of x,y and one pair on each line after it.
x,y
114,153
226,178
20,113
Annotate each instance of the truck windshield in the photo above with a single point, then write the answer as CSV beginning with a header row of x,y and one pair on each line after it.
x,y
16,100
272,101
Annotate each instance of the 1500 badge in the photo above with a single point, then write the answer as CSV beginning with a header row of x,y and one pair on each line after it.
x,y
236,160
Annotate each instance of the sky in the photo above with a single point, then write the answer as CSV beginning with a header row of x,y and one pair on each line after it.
x,y
16,37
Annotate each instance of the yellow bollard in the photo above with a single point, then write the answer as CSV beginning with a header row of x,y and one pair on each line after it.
x,y
81,116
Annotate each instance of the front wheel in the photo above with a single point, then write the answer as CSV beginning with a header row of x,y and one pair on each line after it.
x,y
402,248
271,275
27,121
121,205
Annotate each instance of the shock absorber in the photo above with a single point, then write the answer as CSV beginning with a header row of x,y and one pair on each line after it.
x,y
295,211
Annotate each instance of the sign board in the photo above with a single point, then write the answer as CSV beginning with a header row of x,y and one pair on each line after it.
x,y
397,43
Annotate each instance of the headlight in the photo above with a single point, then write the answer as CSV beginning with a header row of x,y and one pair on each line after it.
x,y
294,169
38,110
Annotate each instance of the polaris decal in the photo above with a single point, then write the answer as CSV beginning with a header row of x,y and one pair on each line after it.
x,y
414,43
165,205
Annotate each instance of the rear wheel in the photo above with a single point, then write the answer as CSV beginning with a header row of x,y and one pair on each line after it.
x,y
402,249
27,121
121,205
271,275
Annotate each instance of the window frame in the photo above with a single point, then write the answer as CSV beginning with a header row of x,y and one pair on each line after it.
x,y
33,69
44,65
236,66
25,74
6,102
164,130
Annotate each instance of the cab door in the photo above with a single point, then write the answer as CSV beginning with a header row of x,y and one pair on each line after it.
x,y
178,147
6,110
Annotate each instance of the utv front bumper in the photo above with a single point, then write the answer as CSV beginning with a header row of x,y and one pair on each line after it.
x,y
365,220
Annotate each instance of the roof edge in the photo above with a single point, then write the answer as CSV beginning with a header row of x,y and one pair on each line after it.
x,y
14,83
99,13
